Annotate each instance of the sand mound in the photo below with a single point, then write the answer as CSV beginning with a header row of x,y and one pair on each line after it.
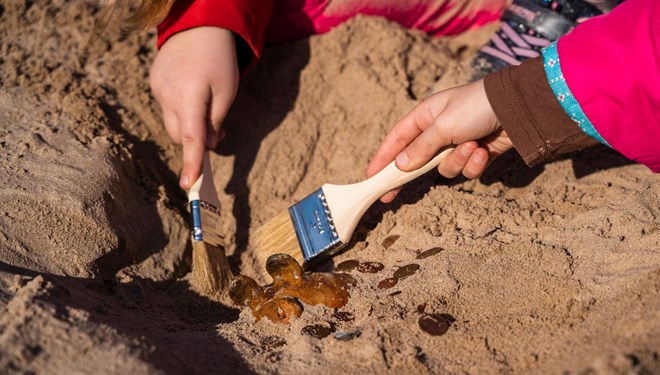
x,y
550,269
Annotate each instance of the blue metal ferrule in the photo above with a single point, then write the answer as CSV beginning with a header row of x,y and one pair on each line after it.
x,y
206,223
196,220
314,227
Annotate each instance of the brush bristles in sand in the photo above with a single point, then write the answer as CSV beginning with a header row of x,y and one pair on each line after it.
x,y
276,237
210,271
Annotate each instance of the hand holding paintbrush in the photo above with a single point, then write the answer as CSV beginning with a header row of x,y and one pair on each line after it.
x,y
324,222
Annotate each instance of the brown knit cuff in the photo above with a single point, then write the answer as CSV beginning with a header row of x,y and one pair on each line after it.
x,y
531,115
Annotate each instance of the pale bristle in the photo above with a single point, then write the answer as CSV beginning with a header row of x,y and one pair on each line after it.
x,y
210,271
276,237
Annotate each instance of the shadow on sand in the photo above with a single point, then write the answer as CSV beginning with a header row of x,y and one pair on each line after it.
x,y
168,316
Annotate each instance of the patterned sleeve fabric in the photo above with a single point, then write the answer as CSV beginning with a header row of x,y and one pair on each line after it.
x,y
605,75
564,96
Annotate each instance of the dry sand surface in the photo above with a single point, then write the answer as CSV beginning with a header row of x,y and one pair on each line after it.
x,y
546,270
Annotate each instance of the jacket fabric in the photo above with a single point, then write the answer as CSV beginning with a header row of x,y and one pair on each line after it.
x,y
598,83
273,21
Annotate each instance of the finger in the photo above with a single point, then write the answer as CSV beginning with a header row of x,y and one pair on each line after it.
x,y
218,109
403,133
452,165
193,139
171,122
496,144
389,196
425,146
477,164
212,135
223,92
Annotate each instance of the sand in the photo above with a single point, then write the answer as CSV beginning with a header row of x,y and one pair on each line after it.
x,y
553,269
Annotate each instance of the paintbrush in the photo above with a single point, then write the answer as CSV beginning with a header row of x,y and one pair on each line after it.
x,y
323,222
210,270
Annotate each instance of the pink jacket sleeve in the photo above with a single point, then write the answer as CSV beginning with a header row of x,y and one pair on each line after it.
x,y
606,76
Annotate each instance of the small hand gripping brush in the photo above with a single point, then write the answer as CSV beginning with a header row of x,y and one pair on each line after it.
x,y
211,273
323,222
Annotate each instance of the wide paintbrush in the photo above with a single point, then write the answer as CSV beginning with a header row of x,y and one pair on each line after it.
x,y
322,223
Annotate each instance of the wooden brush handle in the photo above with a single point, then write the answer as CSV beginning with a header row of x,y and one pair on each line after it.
x,y
392,177
348,203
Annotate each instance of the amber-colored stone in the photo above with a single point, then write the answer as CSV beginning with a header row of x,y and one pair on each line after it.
x,y
279,310
279,301
245,292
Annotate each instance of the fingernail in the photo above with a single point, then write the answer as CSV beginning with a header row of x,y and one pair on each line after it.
x,y
185,180
402,160
479,158
466,150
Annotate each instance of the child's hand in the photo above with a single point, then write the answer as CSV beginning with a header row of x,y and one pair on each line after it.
x,y
461,116
195,78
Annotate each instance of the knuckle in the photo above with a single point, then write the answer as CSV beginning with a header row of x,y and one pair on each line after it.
x,y
189,138
426,147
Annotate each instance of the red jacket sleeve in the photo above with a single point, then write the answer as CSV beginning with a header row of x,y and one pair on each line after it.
x,y
247,18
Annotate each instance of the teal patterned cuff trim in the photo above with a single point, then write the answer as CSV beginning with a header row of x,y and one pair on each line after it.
x,y
564,95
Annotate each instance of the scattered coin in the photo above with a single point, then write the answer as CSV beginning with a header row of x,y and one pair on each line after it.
x,y
406,271
344,316
347,266
448,318
434,324
347,279
370,267
388,283
316,330
429,252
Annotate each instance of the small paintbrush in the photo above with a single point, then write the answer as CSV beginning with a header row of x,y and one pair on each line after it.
x,y
322,223
211,273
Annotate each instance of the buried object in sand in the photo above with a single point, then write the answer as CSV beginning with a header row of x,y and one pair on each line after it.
x,y
280,301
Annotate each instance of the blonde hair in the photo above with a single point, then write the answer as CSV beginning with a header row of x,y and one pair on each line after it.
x,y
144,15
